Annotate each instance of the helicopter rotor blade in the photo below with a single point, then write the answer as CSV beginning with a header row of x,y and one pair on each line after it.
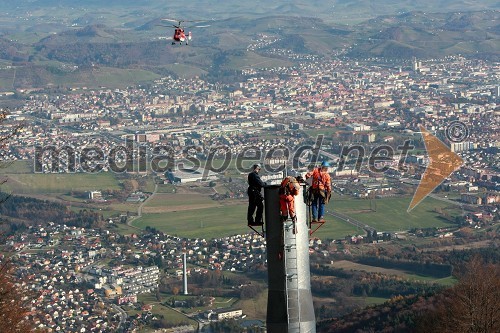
x,y
190,21
198,26
171,20
168,26
194,21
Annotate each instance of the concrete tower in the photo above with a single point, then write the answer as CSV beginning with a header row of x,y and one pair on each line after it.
x,y
184,273
289,301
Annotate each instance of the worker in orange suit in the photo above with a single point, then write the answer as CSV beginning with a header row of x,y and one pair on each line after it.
x,y
321,190
288,190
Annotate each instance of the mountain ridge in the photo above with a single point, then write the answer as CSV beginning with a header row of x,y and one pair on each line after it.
x,y
146,46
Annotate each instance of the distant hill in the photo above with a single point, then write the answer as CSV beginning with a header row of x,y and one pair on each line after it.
x,y
225,44
98,33
329,10
415,34
430,35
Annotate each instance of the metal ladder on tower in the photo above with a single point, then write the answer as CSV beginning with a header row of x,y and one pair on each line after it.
x,y
291,275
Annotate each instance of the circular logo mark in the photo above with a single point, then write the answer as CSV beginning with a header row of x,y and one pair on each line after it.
x,y
457,131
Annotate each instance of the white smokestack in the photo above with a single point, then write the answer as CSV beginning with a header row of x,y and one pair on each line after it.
x,y
184,271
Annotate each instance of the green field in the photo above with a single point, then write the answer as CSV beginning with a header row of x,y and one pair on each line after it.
x,y
16,167
166,188
172,316
391,213
179,199
59,183
447,281
349,265
369,301
150,185
124,207
335,229
196,215
255,308
326,132
221,221
125,229
208,222
220,302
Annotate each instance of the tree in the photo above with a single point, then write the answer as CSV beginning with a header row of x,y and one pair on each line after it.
x,y
471,306
13,299
158,295
474,305
4,139
13,303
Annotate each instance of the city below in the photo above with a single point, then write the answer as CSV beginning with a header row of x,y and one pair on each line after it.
x,y
124,209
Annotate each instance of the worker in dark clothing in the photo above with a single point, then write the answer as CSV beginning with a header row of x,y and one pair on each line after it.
x,y
255,198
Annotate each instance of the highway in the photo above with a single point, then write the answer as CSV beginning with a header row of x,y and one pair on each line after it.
x,y
350,220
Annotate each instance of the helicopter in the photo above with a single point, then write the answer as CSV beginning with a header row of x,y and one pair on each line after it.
x,y
179,32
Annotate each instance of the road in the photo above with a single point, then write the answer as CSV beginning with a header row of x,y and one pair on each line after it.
x,y
350,220
123,316
139,209
451,202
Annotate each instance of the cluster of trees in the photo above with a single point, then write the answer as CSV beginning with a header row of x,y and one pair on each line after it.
x,y
14,298
452,258
233,326
397,315
35,211
490,255
14,302
147,320
211,283
357,283
10,50
469,306
210,279
426,268
294,42
190,302
250,291
472,304
162,322
379,286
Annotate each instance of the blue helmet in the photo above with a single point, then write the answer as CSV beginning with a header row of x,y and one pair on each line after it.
x,y
325,164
